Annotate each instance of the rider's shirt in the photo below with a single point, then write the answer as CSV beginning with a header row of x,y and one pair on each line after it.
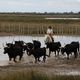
x,y
49,31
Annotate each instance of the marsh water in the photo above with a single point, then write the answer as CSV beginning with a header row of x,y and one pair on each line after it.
x,y
52,61
7,39
63,18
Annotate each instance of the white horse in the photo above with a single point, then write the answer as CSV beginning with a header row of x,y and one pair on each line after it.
x,y
48,39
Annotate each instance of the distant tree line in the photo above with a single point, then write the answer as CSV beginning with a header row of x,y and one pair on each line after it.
x,y
40,13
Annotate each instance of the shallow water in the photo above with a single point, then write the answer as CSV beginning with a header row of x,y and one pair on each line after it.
x,y
63,18
4,58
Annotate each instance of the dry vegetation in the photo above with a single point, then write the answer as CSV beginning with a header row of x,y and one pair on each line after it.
x,y
34,75
28,24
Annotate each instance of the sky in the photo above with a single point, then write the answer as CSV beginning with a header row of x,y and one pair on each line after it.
x,y
39,5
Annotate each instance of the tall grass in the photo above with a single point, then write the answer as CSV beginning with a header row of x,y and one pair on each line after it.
x,y
39,28
37,24
24,75
35,75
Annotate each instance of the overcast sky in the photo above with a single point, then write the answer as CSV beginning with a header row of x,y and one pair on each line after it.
x,y
39,5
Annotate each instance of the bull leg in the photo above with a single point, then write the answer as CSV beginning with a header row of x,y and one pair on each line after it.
x,y
55,53
58,52
44,58
38,60
9,59
14,59
78,49
68,56
49,53
75,54
71,53
20,57
27,53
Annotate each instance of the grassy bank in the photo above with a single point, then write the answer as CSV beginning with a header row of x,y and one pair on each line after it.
x,y
35,75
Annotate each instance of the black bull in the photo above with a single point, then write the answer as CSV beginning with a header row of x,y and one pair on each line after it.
x,y
69,48
53,47
37,53
76,44
13,52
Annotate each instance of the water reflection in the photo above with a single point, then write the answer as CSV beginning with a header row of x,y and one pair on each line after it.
x,y
4,58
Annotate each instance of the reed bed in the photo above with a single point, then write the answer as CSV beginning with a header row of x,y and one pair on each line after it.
x,y
26,24
35,75
23,28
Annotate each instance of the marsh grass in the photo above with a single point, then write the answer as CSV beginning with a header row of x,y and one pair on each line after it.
x,y
39,28
36,75
37,24
24,75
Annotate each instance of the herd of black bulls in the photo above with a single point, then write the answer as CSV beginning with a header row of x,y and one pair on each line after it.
x,y
35,49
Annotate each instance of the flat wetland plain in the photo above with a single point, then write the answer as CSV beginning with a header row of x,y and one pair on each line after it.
x,y
55,68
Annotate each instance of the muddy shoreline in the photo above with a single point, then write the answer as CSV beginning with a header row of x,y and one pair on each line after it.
x,y
55,66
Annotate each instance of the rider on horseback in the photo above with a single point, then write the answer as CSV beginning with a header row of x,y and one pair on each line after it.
x,y
49,37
